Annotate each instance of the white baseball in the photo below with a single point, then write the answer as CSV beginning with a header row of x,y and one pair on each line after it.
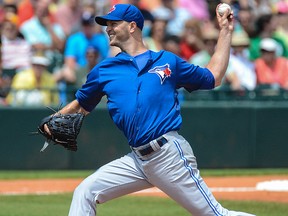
x,y
222,8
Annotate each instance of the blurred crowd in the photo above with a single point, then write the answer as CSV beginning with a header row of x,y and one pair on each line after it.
x,y
49,46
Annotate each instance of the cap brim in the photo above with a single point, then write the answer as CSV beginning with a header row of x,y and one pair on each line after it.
x,y
268,50
102,20
37,60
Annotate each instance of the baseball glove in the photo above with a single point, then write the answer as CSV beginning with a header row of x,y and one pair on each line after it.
x,y
64,129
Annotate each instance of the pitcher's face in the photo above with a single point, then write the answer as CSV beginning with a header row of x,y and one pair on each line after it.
x,y
118,32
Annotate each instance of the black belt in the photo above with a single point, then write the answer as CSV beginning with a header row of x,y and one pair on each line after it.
x,y
148,150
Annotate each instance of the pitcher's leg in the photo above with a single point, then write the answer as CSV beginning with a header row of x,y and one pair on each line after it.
x,y
115,179
177,175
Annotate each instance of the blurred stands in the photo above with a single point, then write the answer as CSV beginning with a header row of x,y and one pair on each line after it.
x,y
51,26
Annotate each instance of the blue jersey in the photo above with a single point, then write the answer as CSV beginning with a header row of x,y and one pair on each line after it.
x,y
143,103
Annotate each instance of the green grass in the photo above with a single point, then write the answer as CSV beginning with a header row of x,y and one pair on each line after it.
x,y
38,174
58,205
41,174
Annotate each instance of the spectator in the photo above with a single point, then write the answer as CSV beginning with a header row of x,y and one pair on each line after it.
x,y
246,20
240,73
177,16
202,57
171,43
78,42
81,72
266,24
34,86
11,40
68,15
10,8
4,86
75,52
76,46
44,34
154,42
191,41
270,68
89,7
92,56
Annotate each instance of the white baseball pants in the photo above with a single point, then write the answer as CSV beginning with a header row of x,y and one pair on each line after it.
x,y
172,169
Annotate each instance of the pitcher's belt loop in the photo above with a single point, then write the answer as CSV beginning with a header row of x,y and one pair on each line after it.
x,y
152,146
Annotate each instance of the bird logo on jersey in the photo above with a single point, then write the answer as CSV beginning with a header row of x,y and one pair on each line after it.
x,y
162,71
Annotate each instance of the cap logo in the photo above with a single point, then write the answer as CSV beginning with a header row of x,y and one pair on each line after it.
x,y
163,72
112,9
122,12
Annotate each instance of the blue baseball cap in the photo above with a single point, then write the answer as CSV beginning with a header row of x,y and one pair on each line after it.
x,y
125,12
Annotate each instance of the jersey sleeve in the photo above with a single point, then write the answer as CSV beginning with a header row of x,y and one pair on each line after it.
x,y
91,92
193,77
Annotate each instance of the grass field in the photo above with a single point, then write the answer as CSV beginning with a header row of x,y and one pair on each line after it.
x,y
38,174
58,205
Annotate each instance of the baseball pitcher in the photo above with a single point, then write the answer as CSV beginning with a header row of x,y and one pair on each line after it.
x,y
141,90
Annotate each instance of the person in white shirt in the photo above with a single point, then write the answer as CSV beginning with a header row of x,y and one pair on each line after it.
x,y
240,72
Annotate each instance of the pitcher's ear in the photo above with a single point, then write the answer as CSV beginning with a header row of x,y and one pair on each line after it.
x,y
133,26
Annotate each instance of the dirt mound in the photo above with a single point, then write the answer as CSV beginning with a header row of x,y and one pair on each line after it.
x,y
228,188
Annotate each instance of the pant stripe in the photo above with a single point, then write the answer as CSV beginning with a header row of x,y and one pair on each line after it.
x,y
195,179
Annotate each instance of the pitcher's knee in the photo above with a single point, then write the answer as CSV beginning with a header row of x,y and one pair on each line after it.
x,y
83,202
86,192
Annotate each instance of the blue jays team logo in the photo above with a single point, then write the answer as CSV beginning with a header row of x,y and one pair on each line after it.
x,y
112,9
162,71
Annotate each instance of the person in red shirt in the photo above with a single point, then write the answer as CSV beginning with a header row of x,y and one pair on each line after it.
x,y
25,10
191,41
270,68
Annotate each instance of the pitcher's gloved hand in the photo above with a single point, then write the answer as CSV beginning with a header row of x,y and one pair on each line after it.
x,y
63,129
